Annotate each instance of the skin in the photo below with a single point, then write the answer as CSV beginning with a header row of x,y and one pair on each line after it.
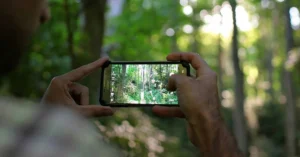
x,y
63,90
198,97
19,20
200,106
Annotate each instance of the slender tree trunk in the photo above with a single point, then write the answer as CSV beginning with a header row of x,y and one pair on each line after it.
x,y
160,72
94,27
121,81
174,47
220,60
150,78
195,43
290,108
94,15
196,25
274,41
68,17
238,110
268,36
270,70
108,85
143,85
174,19
167,72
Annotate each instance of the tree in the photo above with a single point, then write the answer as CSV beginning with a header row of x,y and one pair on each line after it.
x,y
94,25
220,57
69,28
288,89
94,28
238,110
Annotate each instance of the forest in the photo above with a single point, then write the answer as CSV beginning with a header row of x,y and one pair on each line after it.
x,y
253,45
142,84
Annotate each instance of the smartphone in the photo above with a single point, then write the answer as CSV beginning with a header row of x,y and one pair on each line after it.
x,y
138,84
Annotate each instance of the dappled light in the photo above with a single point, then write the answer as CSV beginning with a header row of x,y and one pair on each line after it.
x,y
293,59
295,17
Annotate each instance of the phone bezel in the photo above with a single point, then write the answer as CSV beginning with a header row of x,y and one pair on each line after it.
x,y
107,63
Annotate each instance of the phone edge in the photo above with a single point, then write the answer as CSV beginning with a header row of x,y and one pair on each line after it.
x,y
107,63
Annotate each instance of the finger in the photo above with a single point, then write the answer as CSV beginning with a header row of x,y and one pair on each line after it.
x,y
81,91
174,81
168,111
194,59
171,83
78,74
95,111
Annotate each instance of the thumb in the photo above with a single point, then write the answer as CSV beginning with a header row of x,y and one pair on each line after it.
x,y
175,81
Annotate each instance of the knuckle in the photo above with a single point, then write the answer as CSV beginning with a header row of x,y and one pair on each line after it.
x,y
194,54
56,80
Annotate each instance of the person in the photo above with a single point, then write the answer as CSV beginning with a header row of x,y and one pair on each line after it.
x,y
52,130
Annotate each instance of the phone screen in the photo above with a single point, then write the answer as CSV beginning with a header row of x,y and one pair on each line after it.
x,y
139,84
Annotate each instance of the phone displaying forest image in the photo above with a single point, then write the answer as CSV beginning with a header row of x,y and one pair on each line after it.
x,y
141,83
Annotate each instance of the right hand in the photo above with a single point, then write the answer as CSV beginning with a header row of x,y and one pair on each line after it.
x,y
198,97
63,90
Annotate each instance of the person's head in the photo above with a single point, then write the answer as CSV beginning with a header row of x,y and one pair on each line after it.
x,y
19,19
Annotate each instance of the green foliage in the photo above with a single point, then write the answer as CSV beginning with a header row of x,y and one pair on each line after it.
x,y
145,84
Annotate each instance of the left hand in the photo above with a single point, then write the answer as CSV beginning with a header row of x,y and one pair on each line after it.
x,y
63,90
198,99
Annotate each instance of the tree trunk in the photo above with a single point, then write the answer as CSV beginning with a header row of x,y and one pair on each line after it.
x,y
122,79
94,15
68,17
143,85
150,78
94,26
238,110
274,48
290,106
108,86
220,60
174,20
196,25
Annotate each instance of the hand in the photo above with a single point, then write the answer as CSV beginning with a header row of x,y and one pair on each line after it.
x,y
198,97
63,90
